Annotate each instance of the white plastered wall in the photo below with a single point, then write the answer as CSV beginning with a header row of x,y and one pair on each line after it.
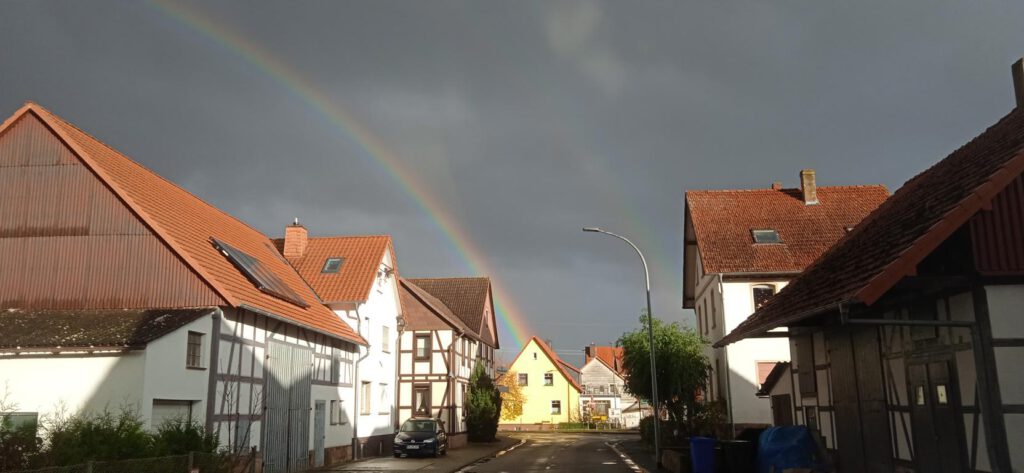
x,y
73,383
377,366
735,303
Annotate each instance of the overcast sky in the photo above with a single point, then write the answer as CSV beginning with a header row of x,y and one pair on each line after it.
x,y
522,120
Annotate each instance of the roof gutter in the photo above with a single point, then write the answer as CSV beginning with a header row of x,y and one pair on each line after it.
x,y
305,326
758,331
759,274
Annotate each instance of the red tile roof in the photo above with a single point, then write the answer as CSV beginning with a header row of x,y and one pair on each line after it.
x,y
555,360
467,298
186,224
354,280
898,235
723,220
610,356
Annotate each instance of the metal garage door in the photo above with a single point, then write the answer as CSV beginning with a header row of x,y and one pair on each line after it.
x,y
289,379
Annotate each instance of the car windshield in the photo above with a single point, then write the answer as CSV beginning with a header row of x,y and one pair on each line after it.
x,y
418,426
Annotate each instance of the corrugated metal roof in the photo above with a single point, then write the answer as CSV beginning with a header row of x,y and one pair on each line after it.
x,y
185,224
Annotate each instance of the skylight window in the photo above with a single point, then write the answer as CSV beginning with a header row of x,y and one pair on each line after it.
x,y
766,236
261,277
332,265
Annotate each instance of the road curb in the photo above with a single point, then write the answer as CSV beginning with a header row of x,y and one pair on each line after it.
x,y
490,456
625,458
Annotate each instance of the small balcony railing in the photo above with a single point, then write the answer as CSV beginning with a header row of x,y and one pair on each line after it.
x,y
601,389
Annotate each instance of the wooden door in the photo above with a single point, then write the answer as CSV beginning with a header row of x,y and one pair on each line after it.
x,y
782,409
861,420
936,417
319,427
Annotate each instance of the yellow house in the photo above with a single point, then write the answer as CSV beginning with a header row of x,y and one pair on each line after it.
x,y
552,394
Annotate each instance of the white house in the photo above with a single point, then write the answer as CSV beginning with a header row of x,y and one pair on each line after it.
x,y
906,336
356,276
604,398
743,246
448,329
119,288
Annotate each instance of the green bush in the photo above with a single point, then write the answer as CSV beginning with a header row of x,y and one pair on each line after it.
x,y
667,429
483,407
108,436
180,436
575,426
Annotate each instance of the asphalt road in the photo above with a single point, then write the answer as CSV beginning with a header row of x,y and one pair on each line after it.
x,y
557,452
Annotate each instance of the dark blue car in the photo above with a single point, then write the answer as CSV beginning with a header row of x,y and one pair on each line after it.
x,y
421,436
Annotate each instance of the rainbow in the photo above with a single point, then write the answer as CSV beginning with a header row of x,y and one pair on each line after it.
x,y
371,147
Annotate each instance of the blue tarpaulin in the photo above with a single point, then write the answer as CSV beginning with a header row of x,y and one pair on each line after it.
x,y
786,447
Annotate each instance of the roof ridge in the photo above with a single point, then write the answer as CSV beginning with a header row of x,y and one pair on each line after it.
x,y
769,189
338,237
452,278
34,105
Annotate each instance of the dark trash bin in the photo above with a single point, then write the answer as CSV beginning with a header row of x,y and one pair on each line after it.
x,y
738,456
702,452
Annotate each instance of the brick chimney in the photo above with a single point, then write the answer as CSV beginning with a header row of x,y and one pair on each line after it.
x,y
1018,81
588,353
296,238
809,187
776,186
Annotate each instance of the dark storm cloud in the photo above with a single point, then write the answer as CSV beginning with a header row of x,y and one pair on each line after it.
x,y
527,119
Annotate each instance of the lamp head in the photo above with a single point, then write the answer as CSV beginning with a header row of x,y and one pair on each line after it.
x,y
591,229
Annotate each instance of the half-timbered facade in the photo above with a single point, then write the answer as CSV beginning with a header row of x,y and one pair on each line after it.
x,y
905,337
118,287
439,349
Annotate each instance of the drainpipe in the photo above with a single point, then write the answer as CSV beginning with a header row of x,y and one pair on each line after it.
x,y
728,374
357,386
211,392
400,326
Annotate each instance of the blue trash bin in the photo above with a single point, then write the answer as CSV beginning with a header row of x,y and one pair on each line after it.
x,y
702,452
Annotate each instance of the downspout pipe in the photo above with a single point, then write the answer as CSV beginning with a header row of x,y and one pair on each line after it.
x,y
357,386
725,350
216,316
980,366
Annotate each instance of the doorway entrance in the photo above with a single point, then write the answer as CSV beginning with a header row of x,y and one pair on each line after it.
x,y
936,416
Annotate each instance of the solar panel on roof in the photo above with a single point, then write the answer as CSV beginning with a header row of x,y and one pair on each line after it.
x,y
259,275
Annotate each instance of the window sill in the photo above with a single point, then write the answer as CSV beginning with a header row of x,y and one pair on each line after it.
x,y
197,368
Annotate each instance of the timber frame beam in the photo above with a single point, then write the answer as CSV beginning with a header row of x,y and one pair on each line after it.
x,y
995,432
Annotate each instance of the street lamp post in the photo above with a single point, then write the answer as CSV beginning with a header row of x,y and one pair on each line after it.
x,y
650,340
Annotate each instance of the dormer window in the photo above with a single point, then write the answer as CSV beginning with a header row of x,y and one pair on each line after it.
x,y
332,265
766,236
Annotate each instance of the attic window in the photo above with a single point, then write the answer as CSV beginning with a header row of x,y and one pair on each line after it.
x,y
766,236
332,265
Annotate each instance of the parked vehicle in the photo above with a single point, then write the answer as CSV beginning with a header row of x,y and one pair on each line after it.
x,y
421,435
